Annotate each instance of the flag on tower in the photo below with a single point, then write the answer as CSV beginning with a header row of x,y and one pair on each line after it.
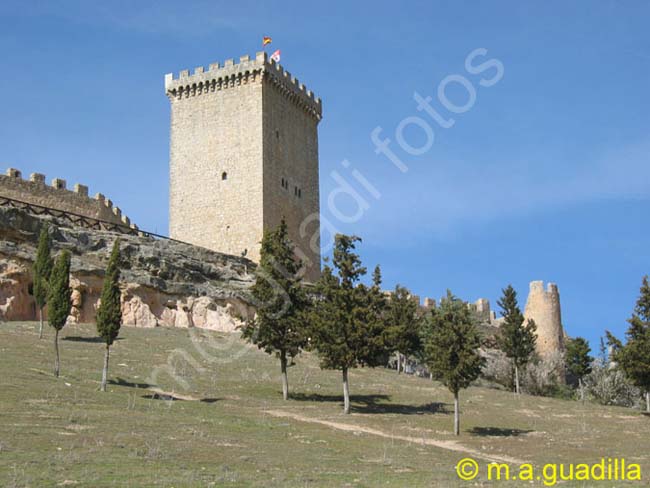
x,y
266,40
276,56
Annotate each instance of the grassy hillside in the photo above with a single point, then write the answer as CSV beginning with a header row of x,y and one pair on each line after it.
x,y
230,427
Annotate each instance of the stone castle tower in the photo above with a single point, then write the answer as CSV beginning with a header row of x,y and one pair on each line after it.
x,y
243,155
543,306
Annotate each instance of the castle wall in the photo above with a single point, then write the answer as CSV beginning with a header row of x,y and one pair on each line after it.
x,y
256,125
482,306
429,303
543,306
36,192
483,311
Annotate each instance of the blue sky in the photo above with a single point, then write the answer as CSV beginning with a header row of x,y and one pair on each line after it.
x,y
545,177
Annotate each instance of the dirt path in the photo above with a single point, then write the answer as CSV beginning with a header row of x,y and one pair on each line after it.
x,y
449,445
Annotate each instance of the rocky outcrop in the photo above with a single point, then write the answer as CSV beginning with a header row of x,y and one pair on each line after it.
x,y
164,282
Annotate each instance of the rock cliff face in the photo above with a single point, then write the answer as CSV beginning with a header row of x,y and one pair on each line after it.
x,y
163,282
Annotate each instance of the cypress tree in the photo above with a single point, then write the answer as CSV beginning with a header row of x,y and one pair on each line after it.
x,y
109,313
515,339
41,274
403,324
377,299
346,328
279,327
634,356
376,278
376,313
59,300
451,348
579,361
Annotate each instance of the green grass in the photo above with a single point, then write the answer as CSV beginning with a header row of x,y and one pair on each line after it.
x,y
64,432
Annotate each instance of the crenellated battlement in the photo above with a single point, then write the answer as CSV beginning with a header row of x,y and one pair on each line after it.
x,y
233,74
36,191
537,288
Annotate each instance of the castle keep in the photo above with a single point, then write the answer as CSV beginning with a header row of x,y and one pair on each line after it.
x,y
243,155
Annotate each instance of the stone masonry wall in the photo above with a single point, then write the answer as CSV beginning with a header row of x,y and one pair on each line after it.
x,y
291,156
35,191
217,134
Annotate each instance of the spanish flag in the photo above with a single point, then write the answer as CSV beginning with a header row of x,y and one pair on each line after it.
x,y
266,40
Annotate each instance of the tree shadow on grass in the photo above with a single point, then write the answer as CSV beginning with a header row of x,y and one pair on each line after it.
x,y
169,397
158,395
498,432
129,384
209,400
374,404
94,340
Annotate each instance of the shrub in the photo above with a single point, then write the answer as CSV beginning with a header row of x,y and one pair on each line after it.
x,y
610,386
498,369
544,377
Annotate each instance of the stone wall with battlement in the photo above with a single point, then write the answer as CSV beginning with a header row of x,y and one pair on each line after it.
x,y
484,312
542,306
481,307
36,191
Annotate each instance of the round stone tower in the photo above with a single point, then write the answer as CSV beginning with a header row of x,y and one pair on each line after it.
x,y
543,306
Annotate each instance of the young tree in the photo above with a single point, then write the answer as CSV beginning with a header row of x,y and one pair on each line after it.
x,y
377,312
377,299
634,356
58,300
402,330
376,278
346,329
279,327
451,348
515,339
41,274
109,313
602,352
579,361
